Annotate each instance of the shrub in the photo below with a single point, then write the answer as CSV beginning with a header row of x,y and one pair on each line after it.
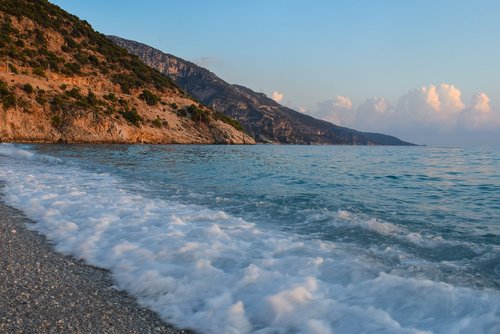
x,y
110,97
157,122
228,120
13,69
74,93
39,71
28,88
132,116
149,97
197,114
56,121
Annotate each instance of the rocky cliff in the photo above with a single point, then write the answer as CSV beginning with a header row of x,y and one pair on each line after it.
x,y
262,117
62,81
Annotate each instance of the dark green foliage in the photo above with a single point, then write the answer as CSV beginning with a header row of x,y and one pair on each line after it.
x,y
74,93
28,88
72,69
70,42
40,97
56,121
93,60
131,116
63,86
197,114
228,120
39,38
110,97
39,71
157,122
174,106
13,69
150,98
92,100
6,96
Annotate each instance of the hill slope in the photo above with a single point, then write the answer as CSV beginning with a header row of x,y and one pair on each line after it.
x,y
62,81
261,116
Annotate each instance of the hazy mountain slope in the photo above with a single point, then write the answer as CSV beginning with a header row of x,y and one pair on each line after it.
x,y
62,81
262,117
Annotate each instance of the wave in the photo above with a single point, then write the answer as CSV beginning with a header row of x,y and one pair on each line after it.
x,y
207,270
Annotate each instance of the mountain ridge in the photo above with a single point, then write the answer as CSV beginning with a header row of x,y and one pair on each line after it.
x,y
265,119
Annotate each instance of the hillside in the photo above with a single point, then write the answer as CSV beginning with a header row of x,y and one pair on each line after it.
x,y
262,117
62,81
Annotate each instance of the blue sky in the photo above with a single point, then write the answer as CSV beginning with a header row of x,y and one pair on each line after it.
x,y
312,52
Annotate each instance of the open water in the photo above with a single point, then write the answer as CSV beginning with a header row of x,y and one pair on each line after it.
x,y
278,239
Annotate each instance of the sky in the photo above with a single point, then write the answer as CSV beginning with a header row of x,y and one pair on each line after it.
x,y
424,70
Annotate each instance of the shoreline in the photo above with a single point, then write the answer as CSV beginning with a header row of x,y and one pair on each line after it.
x,y
42,291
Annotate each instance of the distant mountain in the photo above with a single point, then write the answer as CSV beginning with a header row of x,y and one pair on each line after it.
x,y
262,117
61,81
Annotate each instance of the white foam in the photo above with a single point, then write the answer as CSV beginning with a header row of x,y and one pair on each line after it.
x,y
216,273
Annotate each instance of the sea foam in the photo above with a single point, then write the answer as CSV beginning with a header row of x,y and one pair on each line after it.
x,y
207,270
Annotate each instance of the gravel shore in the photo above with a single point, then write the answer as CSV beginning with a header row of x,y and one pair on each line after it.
x,y
42,291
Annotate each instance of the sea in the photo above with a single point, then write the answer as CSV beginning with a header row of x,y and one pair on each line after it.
x,y
276,238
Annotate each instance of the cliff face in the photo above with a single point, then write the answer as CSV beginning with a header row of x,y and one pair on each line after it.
x,y
62,81
262,117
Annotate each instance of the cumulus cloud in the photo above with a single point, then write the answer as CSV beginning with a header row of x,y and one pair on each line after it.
x,y
433,109
480,102
338,111
277,96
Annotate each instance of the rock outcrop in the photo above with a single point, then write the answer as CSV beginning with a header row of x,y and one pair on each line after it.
x,y
61,81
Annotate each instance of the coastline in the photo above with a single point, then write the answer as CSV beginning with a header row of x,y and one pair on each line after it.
x,y
44,291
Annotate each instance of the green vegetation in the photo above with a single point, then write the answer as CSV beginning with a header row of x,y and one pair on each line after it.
x,y
13,69
228,120
110,97
39,71
157,122
56,121
197,114
6,96
131,116
28,88
150,98
81,42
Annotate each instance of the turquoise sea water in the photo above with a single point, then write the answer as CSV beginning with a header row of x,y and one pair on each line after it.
x,y
287,239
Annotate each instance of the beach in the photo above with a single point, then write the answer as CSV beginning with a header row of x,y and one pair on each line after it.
x,y
42,291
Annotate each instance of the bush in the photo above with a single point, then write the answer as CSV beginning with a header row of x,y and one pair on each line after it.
x,y
228,120
197,114
157,122
150,98
7,98
28,88
132,116
110,97
39,71
13,69
56,121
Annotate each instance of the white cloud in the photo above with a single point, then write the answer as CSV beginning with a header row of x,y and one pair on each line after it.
x,y
338,111
480,102
277,96
302,109
434,110
343,102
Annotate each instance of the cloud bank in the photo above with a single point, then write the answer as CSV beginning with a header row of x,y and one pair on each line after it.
x,y
436,110
277,96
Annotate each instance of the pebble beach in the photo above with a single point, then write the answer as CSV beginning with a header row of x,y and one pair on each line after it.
x,y
42,291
